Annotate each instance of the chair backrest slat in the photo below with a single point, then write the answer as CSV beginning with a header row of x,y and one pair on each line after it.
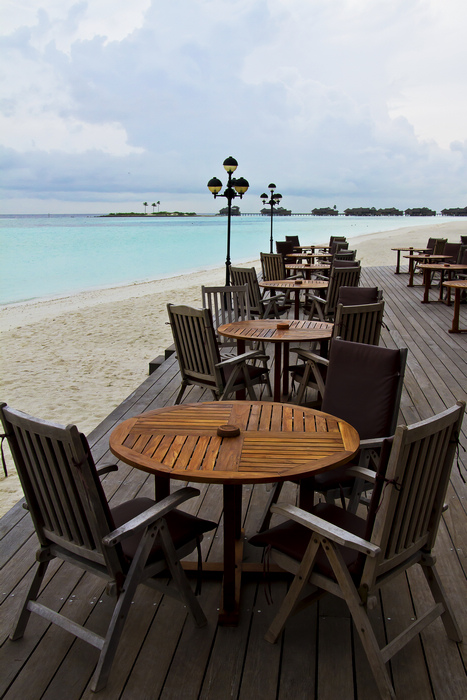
x,y
247,275
360,323
226,304
196,345
340,276
273,266
61,486
415,487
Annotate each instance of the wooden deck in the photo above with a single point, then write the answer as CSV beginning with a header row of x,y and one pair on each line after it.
x,y
162,654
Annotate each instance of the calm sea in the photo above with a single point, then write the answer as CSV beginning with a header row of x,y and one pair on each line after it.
x,y
45,256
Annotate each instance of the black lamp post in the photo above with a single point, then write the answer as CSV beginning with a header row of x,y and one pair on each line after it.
x,y
275,199
236,187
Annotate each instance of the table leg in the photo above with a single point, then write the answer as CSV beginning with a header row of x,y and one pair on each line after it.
x,y
297,304
285,371
240,395
233,554
398,263
411,270
457,306
162,487
277,371
427,281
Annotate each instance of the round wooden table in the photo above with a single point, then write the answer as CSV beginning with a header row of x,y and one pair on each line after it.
x,y
458,286
427,259
266,330
409,250
306,269
295,286
276,442
444,269
308,256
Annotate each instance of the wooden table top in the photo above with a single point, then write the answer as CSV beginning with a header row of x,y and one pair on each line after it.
x,y
442,266
305,266
418,250
456,284
277,442
307,255
267,330
295,284
428,256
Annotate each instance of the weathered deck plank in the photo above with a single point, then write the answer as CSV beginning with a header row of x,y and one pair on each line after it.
x,y
162,654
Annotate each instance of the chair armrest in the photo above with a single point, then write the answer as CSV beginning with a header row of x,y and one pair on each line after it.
x,y
372,443
155,512
362,473
306,355
323,527
238,359
106,468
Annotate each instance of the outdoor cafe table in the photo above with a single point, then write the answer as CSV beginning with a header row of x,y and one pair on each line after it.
x,y
409,250
427,259
276,442
267,331
458,286
443,268
306,269
293,285
307,256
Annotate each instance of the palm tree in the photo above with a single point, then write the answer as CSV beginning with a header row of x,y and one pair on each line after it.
x,y
158,205
145,204
153,205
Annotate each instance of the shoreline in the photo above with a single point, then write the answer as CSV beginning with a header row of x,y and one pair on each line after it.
x,y
73,359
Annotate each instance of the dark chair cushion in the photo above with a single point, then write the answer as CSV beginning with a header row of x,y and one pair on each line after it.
x,y
356,372
292,539
351,296
183,527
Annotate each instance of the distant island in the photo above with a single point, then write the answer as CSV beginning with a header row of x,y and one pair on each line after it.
x,y
155,215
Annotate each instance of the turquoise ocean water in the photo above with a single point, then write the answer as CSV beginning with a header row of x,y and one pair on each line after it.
x,y
59,255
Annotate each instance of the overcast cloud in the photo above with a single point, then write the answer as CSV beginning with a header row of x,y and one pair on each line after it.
x,y
107,103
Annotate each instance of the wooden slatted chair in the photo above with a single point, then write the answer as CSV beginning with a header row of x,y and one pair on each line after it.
x,y
262,304
352,296
295,240
324,308
126,545
226,304
200,361
273,266
336,552
363,386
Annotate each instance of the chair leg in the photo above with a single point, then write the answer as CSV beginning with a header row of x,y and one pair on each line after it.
x,y
24,613
273,498
294,592
181,391
361,620
452,629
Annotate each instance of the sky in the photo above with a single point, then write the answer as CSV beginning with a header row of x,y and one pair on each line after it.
x,y
105,104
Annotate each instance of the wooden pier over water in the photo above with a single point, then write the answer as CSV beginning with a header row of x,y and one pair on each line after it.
x,y
163,655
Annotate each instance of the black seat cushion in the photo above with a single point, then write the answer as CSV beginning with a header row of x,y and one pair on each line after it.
x,y
183,527
292,539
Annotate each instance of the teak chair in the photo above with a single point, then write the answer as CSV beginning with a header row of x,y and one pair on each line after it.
x,y
352,296
337,552
200,361
325,307
126,545
226,304
263,305
363,386
273,267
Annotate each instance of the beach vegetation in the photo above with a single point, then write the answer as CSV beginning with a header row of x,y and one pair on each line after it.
x,y
145,204
372,211
235,211
325,211
280,211
454,211
420,211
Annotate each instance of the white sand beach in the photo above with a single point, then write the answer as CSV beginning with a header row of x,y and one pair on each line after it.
x,y
74,359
